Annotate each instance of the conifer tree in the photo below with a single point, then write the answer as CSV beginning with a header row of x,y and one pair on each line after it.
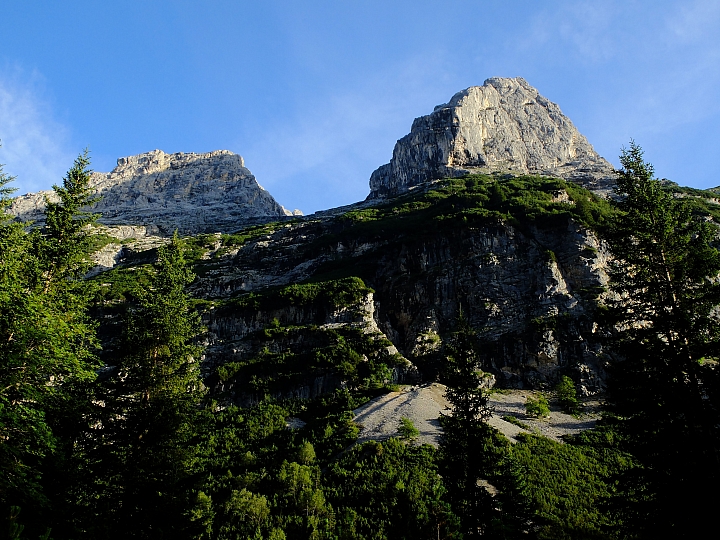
x,y
47,341
153,403
468,453
665,282
64,244
473,454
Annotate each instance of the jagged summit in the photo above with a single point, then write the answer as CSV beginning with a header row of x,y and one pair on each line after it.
x,y
503,125
186,191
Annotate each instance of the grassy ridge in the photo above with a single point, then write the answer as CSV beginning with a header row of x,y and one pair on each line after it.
x,y
453,205
333,293
482,199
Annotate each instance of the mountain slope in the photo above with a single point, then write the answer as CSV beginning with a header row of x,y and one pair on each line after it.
x,y
518,255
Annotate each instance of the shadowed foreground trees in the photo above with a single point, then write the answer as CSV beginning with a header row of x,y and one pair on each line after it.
x,y
96,459
664,380
151,407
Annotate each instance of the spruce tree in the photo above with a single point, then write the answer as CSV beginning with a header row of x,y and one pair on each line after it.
x,y
64,245
47,341
153,402
661,391
468,448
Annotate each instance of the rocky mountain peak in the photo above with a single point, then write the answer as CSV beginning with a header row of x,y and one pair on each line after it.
x,y
157,161
505,125
190,192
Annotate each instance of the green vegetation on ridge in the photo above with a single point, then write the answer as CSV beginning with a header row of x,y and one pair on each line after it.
x,y
453,206
333,293
483,200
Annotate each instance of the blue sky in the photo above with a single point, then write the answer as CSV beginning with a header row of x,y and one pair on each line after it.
x,y
314,94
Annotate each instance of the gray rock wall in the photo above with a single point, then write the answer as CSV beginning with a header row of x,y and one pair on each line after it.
x,y
505,126
530,293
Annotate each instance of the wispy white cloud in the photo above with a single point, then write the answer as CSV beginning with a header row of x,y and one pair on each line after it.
x,y
33,142
581,30
695,21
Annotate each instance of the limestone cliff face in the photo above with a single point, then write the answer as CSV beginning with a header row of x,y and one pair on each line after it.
x,y
530,292
190,192
238,334
504,125
528,278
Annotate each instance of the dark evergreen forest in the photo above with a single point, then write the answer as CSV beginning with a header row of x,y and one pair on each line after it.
x,y
143,448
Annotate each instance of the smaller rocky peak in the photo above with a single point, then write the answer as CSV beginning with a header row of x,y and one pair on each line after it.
x,y
190,192
157,161
505,125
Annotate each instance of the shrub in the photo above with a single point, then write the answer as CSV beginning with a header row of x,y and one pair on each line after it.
x,y
537,407
306,453
407,429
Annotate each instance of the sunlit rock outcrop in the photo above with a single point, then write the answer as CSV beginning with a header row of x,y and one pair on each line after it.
x,y
189,192
503,126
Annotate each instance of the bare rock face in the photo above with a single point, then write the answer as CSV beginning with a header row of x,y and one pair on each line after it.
x,y
534,311
503,126
192,193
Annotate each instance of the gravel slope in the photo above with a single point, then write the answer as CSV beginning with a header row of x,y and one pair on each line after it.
x,y
512,403
379,418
